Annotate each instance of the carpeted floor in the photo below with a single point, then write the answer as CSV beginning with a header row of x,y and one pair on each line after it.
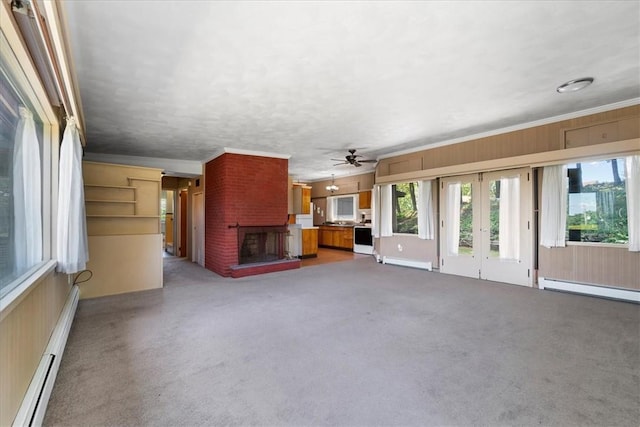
x,y
348,344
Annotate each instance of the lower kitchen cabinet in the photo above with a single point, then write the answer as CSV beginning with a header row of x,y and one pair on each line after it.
x,y
309,242
336,237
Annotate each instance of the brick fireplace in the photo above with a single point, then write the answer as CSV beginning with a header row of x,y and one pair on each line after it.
x,y
246,195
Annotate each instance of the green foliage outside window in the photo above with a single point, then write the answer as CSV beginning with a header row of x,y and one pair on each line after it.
x,y
597,205
465,244
405,208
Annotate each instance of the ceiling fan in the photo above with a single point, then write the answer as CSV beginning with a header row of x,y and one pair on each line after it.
x,y
352,159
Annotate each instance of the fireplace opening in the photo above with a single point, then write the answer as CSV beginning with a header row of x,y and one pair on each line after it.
x,y
261,244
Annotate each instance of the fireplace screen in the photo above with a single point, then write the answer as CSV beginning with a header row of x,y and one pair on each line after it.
x,y
261,244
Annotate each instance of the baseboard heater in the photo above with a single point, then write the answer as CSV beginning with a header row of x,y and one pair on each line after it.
x,y
424,265
34,404
593,290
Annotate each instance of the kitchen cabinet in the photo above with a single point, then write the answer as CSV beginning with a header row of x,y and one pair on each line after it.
x,y
309,242
364,200
301,199
600,133
336,237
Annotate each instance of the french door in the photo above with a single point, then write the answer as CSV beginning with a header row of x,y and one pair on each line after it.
x,y
486,226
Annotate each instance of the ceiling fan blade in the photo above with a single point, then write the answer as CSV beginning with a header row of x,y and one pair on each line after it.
x,y
367,161
356,164
337,160
339,164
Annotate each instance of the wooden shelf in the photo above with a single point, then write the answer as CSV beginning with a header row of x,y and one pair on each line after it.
x,y
109,201
122,187
123,216
133,178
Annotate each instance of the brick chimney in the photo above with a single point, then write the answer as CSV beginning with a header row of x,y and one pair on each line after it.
x,y
244,190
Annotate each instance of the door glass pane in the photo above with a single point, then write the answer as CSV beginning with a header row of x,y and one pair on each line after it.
x,y
465,241
494,218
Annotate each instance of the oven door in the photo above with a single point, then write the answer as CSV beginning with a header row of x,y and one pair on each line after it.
x,y
362,240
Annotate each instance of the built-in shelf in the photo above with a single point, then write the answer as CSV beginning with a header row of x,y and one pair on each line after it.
x,y
109,201
123,187
121,201
123,216
133,178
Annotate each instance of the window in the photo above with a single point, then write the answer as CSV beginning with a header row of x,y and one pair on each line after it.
x,y
405,207
23,132
597,204
344,208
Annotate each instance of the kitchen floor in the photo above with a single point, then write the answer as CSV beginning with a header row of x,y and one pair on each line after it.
x,y
326,256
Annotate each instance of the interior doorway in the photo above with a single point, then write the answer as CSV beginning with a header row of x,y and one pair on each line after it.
x,y
182,247
486,226
167,220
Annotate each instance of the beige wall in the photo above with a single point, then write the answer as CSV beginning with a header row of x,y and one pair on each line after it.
x,y
24,334
595,134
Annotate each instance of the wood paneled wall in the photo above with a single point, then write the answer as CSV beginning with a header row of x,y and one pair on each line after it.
x,y
616,267
24,334
537,139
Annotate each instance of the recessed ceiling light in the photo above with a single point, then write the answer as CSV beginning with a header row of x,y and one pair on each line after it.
x,y
575,85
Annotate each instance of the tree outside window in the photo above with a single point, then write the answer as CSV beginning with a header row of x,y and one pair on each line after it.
x,y
597,205
405,208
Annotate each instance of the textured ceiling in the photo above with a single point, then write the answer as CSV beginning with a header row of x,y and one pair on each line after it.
x,y
183,79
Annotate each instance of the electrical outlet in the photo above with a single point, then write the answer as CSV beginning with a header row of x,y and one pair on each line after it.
x,y
399,248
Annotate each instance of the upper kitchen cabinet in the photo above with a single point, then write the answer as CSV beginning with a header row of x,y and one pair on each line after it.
x,y
364,200
301,199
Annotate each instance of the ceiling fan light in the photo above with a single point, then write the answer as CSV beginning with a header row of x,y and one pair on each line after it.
x,y
574,85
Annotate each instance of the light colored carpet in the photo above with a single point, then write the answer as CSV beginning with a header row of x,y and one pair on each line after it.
x,y
348,344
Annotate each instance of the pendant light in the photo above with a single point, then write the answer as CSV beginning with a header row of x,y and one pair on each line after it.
x,y
333,187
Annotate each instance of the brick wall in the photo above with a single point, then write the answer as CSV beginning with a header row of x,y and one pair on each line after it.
x,y
245,190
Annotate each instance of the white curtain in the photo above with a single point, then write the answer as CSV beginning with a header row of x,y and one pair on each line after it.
x,y
330,209
509,214
27,194
425,211
632,182
375,211
73,249
386,221
553,218
453,217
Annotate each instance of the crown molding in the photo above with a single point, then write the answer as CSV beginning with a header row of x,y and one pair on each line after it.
x,y
230,150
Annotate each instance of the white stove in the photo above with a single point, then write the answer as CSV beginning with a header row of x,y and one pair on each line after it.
x,y
362,239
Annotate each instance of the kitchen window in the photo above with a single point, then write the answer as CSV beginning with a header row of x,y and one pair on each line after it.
x,y
342,208
597,202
